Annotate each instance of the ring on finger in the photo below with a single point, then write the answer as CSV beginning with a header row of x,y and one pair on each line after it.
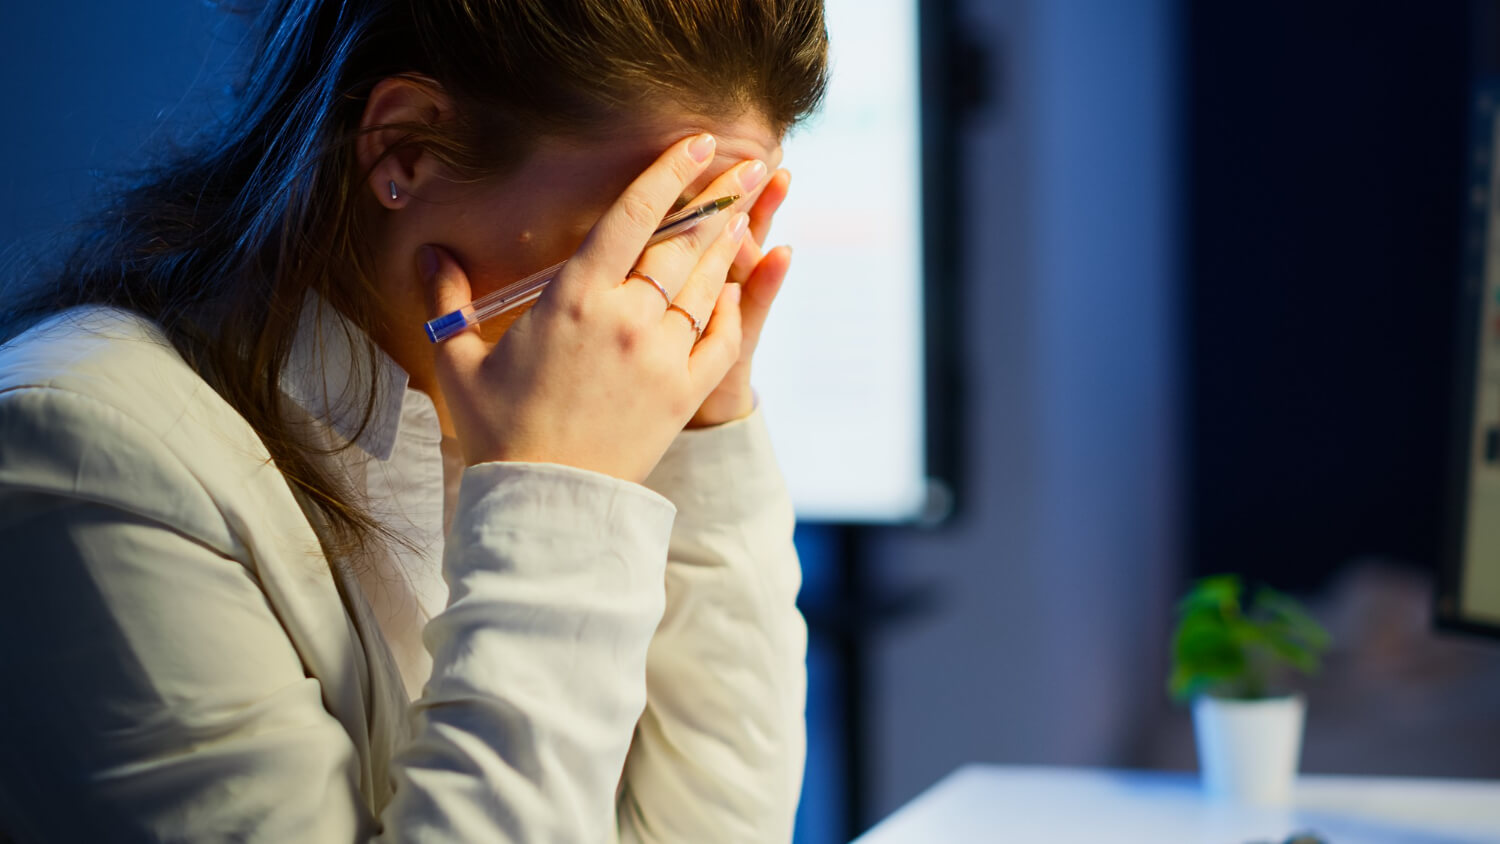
x,y
666,297
697,323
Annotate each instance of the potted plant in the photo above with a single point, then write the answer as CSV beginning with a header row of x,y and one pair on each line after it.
x,y
1234,664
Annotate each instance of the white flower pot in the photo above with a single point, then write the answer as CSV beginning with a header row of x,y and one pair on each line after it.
x,y
1248,749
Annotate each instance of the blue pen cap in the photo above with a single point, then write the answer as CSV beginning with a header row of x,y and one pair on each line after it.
x,y
446,326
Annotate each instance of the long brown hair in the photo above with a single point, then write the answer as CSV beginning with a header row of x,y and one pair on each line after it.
x,y
221,243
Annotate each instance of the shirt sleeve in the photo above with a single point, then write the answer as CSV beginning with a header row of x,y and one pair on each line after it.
x,y
539,661
718,754
152,693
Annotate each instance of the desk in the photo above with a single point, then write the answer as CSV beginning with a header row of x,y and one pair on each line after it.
x,y
993,803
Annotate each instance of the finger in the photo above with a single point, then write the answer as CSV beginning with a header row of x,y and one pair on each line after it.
x,y
768,203
699,295
760,291
719,347
745,261
447,290
752,195
761,212
671,261
613,244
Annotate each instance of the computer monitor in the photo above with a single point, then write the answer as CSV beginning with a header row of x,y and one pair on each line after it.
x,y
841,365
1469,589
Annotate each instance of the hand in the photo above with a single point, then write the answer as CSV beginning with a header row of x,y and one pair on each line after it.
x,y
599,374
759,276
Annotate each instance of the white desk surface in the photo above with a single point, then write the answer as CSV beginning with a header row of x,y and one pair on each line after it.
x,y
984,803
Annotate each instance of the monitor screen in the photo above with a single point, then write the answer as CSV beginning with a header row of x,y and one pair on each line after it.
x,y
1470,592
840,367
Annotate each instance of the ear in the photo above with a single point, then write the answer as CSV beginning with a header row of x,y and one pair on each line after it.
x,y
394,101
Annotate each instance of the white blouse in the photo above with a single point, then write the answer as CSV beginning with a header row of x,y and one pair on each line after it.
x,y
604,660
400,464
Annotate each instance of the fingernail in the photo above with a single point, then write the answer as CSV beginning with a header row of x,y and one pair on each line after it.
x,y
701,147
737,226
427,260
752,174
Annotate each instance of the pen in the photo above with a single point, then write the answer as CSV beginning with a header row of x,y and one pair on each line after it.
x,y
515,295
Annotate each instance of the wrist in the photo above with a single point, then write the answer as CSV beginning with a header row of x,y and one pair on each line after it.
x,y
721,409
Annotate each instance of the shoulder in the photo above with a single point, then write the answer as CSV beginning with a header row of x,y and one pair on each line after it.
x,y
96,404
113,356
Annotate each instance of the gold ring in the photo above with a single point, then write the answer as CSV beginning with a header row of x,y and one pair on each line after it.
x,y
666,297
697,323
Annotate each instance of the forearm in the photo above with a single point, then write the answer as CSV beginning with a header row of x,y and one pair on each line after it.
x,y
719,751
539,660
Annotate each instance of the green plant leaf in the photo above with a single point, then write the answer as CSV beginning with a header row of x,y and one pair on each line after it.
x,y
1220,592
1202,637
1294,653
1219,648
1205,653
1288,612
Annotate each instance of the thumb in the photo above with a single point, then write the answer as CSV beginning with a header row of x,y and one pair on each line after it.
x,y
447,292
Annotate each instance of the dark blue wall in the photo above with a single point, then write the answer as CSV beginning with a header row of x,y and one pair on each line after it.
x,y
94,87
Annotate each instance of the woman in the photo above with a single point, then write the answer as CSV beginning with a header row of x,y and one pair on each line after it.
x,y
287,571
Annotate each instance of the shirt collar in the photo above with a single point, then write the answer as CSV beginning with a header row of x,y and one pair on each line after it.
x,y
328,374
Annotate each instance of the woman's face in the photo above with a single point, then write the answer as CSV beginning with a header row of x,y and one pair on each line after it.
x,y
503,229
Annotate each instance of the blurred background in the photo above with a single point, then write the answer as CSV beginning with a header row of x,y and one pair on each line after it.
x,y
1200,318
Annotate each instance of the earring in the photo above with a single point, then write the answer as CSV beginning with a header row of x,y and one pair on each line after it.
x,y
393,189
